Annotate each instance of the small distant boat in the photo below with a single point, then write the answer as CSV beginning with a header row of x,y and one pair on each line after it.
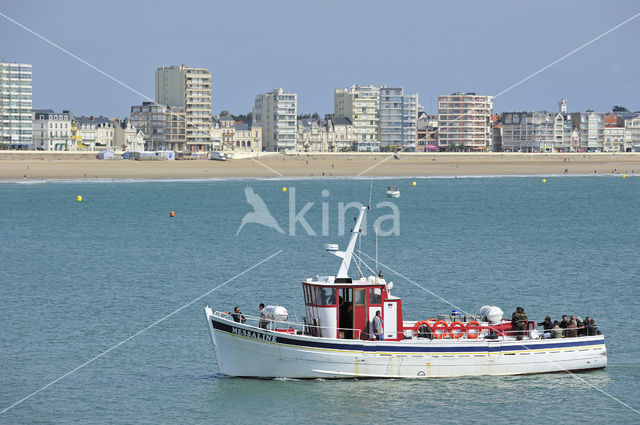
x,y
393,192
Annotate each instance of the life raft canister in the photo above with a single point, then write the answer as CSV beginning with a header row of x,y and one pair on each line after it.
x,y
456,330
441,326
473,326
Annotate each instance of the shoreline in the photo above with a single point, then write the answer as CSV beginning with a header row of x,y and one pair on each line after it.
x,y
310,165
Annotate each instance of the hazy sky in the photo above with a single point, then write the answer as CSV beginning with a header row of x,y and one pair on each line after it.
x,y
310,48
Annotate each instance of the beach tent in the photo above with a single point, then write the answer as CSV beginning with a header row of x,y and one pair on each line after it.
x,y
105,154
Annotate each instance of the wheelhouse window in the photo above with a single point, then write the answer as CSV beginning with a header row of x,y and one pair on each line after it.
x,y
359,297
325,296
375,296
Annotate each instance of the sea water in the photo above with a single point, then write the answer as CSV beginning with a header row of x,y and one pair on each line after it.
x,y
78,278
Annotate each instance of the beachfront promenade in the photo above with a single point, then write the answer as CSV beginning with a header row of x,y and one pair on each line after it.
x,y
66,165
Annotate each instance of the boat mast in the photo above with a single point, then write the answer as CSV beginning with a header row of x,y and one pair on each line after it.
x,y
346,259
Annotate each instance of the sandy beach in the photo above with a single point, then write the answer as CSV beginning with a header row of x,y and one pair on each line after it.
x,y
327,165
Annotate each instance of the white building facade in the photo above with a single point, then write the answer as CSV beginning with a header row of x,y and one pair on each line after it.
x,y
398,119
16,105
276,113
52,130
360,104
464,122
189,88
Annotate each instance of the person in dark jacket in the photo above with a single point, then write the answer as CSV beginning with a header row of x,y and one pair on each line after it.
x,y
592,328
547,325
237,315
519,322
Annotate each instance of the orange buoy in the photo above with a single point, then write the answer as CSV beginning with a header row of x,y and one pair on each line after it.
x,y
172,214
441,326
416,327
456,330
473,326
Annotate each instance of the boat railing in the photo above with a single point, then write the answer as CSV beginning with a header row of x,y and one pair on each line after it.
x,y
285,325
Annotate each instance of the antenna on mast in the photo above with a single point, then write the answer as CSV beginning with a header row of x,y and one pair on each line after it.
x,y
375,228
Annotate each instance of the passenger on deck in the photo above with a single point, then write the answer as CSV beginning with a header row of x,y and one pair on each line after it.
x,y
262,323
582,327
556,332
519,322
237,315
547,325
377,327
572,330
592,328
564,323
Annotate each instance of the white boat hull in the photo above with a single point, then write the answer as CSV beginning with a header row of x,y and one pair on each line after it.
x,y
247,351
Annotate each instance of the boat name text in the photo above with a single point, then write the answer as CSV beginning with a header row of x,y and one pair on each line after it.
x,y
254,335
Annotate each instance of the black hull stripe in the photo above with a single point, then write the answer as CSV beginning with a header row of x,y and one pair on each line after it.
x,y
406,348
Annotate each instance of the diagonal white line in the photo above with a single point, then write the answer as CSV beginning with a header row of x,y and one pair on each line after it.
x,y
462,310
267,167
566,56
138,333
448,124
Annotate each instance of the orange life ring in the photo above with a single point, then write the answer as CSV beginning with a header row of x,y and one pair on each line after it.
x,y
440,325
473,326
416,327
457,326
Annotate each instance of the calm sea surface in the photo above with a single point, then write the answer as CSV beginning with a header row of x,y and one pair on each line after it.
x,y
79,277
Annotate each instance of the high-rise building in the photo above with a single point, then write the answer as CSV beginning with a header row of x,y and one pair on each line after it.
x,y
52,130
188,88
464,121
163,126
276,113
398,119
360,105
16,105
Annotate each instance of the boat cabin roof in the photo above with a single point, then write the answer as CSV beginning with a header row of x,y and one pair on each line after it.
x,y
371,281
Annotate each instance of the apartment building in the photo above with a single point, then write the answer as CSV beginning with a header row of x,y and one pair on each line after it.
x,y
632,134
464,122
190,89
528,131
51,131
359,104
164,127
227,132
341,137
276,113
427,133
398,117
312,136
16,128
590,127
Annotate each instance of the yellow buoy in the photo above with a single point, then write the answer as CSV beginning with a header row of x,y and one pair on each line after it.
x,y
413,183
544,180
284,189
624,176
79,198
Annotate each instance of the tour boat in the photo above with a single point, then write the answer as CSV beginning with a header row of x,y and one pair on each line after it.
x,y
393,192
336,338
